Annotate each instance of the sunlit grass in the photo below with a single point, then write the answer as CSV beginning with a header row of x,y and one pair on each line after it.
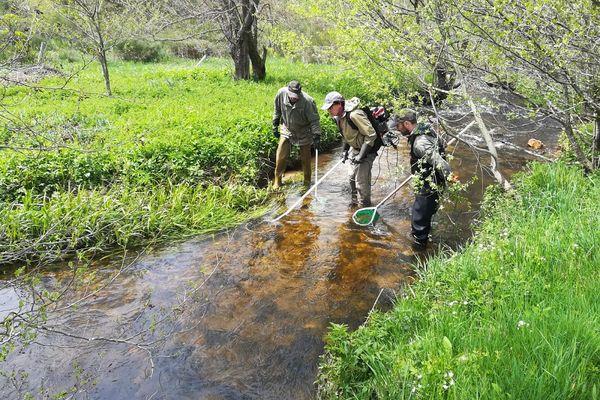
x,y
515,315
84,171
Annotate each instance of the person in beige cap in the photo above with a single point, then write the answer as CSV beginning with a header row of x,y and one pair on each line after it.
x,y
297,114
360,144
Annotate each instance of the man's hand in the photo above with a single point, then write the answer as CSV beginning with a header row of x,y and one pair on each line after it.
x,y
344,156
357,160
317,142
276,131
362,154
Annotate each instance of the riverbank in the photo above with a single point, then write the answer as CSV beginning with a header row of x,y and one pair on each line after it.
x,y
513,315
179,149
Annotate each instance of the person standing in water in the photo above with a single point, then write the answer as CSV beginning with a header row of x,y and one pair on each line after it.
x,y
296,113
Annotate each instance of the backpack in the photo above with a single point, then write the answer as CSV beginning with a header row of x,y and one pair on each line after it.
x,y
378,117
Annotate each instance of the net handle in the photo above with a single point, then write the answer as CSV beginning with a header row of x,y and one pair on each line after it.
x,y
399,187
308,191
378,204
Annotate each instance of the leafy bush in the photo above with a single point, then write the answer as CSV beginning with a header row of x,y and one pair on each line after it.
x,y
140,50
197,49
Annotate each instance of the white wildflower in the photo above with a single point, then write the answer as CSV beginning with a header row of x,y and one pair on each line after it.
x,y
522,324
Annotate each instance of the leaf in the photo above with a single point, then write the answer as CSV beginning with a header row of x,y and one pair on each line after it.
x,y
447,345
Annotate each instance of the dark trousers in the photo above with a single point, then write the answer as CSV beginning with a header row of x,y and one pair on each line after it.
x,y
424,207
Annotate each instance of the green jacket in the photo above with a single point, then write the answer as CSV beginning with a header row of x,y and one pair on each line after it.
x,y
300,120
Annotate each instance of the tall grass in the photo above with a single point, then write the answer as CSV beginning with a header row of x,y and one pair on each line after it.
x,y
96,221
177,149
514,315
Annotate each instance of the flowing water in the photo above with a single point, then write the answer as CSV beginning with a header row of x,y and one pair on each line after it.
x,y
243,314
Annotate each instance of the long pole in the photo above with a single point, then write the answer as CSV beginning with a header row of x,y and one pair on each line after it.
x,y
308,192
411,176
316,168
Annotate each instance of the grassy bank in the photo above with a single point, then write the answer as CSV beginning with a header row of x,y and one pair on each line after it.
x,y
514,315
178,149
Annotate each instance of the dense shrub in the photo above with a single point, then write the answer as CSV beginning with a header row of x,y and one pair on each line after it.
x,y
140,50
196,49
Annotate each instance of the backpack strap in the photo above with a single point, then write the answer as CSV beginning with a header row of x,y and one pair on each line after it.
x,y
378,142
351,123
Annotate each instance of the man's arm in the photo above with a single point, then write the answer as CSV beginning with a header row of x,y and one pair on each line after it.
x,y
426,147
313,116
276,116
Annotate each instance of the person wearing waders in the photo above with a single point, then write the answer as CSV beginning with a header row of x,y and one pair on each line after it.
x,y
297,114
360,145
429,168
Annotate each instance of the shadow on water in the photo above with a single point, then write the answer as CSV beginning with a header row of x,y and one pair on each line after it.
x,y
242,315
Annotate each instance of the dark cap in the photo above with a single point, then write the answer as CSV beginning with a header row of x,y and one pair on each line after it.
x,y
294,88
406,114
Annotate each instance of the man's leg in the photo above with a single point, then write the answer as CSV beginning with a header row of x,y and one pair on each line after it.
x,y
305,157
352,179
283,151
363,181
423,209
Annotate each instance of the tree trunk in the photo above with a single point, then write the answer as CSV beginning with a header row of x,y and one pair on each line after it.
x,y
259,71
241,60
102,58
585,163
41,53
104,64
566,123
239,25
486,136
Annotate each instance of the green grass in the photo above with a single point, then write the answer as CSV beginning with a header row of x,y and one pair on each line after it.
x,y
515,315
82,160
94,221
170,121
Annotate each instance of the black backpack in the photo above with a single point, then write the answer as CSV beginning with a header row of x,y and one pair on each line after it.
x,y
378,117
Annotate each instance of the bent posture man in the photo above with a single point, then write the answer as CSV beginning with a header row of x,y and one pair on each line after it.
x,y
297,113
429,168
359,136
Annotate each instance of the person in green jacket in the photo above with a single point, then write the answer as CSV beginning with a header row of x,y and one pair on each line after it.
x,y
296,113
360,144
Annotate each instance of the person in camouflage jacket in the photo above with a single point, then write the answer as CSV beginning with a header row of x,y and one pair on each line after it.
x,y
429,167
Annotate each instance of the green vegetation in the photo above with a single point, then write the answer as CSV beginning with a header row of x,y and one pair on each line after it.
x,y
178,149
514,315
